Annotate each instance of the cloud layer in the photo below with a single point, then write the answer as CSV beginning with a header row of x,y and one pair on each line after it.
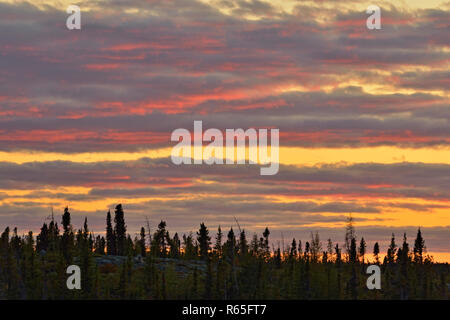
x,y
135,72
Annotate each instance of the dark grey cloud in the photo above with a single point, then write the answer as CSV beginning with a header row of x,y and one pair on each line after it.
x,y
416,180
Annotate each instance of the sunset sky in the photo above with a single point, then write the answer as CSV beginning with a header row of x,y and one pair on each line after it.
x,y
86,115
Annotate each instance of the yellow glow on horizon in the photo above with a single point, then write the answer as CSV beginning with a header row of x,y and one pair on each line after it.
x,y
21,157
395,217
288,155
382,155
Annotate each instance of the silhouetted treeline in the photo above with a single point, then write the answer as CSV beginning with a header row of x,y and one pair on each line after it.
x,y
194,266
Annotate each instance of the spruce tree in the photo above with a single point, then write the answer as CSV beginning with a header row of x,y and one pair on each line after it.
x,y
99,245
230,245
254,247
66,221
42,239
391,250
189,248
419,246
204,240
231,253
349,235
266,242
376,252
353,255
315,247
142,242
110,236
218,245
243,246
330,248
175,246
403,257
307,251
293,252
278,258
120,230
159,243
362,249
324,257
85,253
67,237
